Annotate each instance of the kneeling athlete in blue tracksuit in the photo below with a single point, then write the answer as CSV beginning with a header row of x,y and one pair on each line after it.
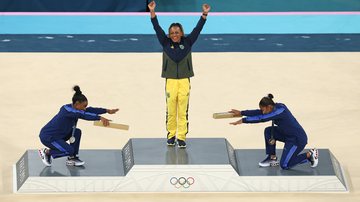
x,y
62,128
285,128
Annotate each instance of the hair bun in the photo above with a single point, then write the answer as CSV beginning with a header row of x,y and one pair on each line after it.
x,y
270,96
77,89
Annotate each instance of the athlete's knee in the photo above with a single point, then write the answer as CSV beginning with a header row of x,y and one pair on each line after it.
x,y
171,115
284,166
171,109
182,114
171,98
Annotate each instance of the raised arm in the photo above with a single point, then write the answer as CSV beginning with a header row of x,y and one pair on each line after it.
x,y
151,7
205,8
196,31
159,31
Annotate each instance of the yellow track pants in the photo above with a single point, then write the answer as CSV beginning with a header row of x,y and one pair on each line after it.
x,y
177,101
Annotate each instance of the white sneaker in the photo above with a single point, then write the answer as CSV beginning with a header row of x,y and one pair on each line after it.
x,y
74,161
46,158
314,157
268,162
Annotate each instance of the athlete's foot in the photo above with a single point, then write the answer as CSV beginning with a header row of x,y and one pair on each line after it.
x,y
314,157
269,161
74,161
181,144
45,156
171,141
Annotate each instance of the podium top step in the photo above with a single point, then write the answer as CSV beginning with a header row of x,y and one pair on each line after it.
x,y
199,151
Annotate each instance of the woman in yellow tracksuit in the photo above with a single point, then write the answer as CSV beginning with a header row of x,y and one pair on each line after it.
x,y
177,69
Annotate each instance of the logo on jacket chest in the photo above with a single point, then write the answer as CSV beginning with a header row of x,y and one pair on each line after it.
x,y
180,46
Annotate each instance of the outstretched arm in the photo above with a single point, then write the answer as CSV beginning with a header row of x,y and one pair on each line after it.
x,y
80,114
96,110
159,31
151,7
196,31
264,117
253,112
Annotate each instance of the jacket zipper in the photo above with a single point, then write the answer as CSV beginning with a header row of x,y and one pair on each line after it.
x,y
177,70
165,68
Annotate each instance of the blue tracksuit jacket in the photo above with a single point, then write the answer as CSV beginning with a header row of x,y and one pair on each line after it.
x,y
60,127
285,121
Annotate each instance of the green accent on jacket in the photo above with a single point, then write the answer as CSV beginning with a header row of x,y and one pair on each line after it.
x,y
173,70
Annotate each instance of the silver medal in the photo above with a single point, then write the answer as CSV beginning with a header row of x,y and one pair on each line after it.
x,y
72,139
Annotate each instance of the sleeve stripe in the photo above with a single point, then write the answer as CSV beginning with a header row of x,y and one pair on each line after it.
x,y
72,110
266,116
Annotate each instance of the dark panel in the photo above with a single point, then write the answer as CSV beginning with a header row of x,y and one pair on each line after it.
x,y
73,5
259,5
205,43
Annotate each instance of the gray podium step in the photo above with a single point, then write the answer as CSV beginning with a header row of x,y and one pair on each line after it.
x,y
248,159
149,165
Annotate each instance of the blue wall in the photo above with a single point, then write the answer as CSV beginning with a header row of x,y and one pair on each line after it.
x,y
272,24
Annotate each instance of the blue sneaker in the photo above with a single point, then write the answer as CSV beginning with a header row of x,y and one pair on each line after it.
x,y
74,161
268,162
171,141
181,144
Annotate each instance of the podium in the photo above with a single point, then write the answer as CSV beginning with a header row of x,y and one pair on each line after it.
x,y
149,165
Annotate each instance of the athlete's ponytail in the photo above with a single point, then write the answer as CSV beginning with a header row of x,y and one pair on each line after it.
x,y
267,100
78,96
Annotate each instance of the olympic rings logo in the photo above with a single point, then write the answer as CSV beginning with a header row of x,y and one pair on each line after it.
x,y
182,182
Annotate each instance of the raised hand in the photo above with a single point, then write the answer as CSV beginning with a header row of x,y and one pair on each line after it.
x,y
235,112
206,8
112,111
152,6
236,122
105,121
